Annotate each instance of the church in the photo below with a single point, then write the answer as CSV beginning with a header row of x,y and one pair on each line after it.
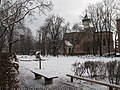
x,y
88,41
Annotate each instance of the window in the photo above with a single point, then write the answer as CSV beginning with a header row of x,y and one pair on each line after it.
x,y
104,42
77,49
69,50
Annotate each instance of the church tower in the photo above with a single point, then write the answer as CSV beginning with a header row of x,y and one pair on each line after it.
x,y
86,22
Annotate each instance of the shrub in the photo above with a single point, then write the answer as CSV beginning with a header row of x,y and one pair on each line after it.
x,y
8,72
99,70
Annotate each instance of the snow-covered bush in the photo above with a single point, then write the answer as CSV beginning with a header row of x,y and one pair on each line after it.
x,y
113,71
91,68
78,68
8,72
99,70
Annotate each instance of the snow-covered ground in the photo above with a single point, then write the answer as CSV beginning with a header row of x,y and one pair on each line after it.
x,y
60,65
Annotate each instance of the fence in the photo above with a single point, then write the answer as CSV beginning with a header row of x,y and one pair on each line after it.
x,y
111,86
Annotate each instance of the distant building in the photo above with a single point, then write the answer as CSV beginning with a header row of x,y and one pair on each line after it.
x,y
87,41
68,47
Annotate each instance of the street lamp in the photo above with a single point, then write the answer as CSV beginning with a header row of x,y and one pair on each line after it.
x,y
39,62
39,40
39,50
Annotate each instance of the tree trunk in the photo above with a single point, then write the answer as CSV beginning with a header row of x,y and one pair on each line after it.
x,y
100,43
94,45
11,29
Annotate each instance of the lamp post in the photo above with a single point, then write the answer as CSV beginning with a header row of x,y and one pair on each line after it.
x,y
39,62
39,40
39,50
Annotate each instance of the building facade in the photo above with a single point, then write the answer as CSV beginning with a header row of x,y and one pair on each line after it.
x,y
87,41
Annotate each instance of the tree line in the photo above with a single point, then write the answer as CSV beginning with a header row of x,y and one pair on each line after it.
x,y
12,22
103,17
16,37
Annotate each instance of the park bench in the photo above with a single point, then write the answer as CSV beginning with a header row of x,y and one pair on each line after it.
x,y
48,76
111,86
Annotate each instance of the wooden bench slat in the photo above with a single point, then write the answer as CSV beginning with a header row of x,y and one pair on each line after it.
x,y
44,73
48,76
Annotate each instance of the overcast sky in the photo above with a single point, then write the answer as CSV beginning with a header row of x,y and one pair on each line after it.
x,y
69,9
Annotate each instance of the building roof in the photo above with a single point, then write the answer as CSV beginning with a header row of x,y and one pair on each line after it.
x,y
104,32
68,43
86,18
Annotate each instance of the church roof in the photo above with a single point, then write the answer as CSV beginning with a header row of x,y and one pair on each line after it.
x,y
86,18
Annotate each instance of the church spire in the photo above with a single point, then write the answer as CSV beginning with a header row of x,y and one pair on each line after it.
x,y
86,21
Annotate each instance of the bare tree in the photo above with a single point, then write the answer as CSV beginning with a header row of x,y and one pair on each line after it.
x,y
110,16
14,12
53,29
25,43
65,28
97,18
76,27
102,16
44,36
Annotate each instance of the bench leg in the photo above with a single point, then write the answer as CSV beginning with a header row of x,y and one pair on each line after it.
x,y
110,88
71,79
48,81
37,76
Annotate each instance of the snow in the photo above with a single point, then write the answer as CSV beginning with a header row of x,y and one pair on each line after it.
x,y
60,65
48,74
38,52
68,43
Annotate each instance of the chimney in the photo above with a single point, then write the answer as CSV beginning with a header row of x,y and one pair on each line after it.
x,y
118,30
